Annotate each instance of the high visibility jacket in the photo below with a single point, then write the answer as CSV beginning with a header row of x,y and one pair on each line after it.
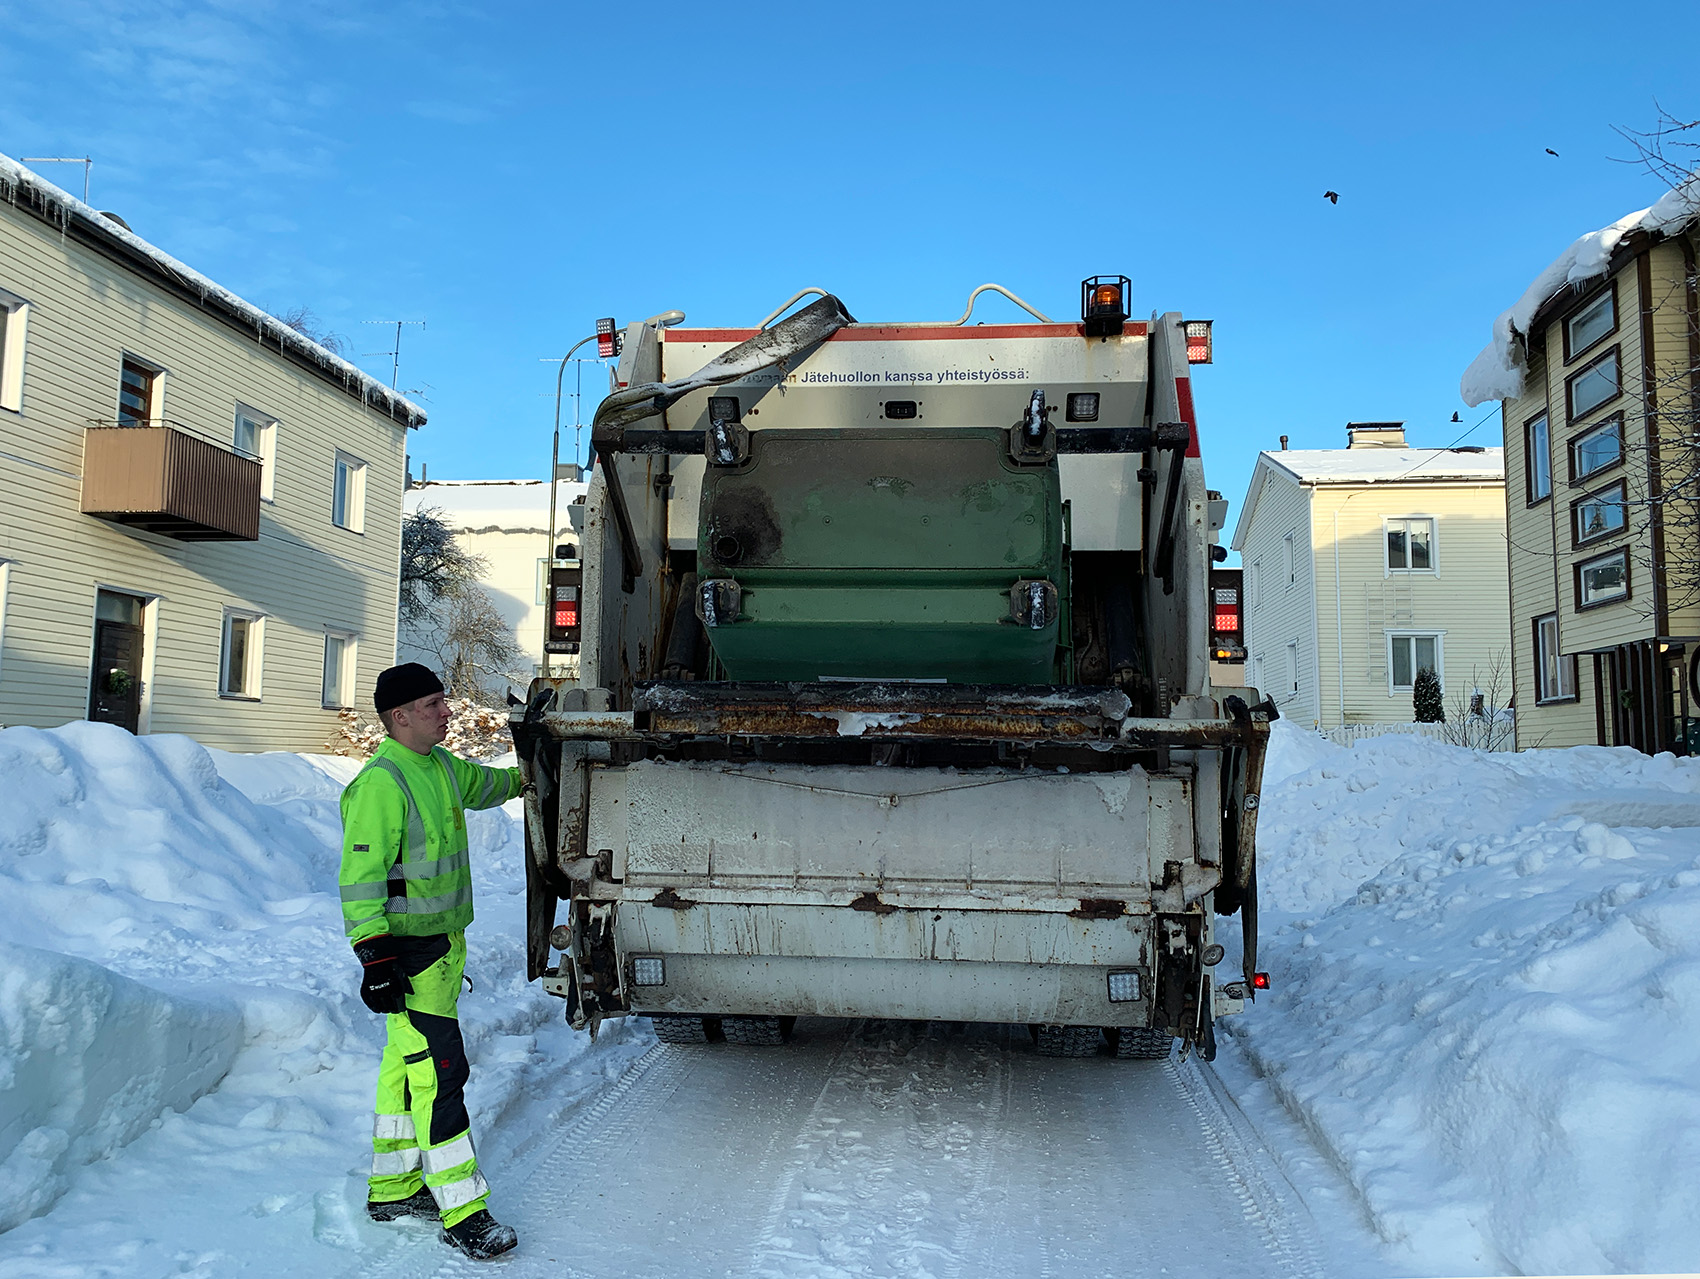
x,y
405,866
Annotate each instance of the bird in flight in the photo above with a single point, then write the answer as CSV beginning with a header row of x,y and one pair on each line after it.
x,y
1551,152
1333,197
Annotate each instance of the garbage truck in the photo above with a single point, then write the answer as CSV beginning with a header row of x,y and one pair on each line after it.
x,y
893,694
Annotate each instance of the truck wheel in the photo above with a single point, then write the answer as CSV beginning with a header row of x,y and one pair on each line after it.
x,y
1144,1045
753,1030
680,1030
1069,1041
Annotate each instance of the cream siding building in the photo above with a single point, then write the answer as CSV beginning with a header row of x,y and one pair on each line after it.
x,y
200,530
1598,403
1366,563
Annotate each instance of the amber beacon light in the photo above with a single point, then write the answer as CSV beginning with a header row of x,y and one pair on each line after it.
x,y
1103,305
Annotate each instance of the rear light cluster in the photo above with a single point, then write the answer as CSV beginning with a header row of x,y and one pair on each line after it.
x,y
608,342
1200,347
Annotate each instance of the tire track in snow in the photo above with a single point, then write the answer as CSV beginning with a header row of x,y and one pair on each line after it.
x,y
1271,1205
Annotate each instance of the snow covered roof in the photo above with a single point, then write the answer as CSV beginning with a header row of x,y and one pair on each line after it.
x,y
1497,373
511,505
1313,467
66,211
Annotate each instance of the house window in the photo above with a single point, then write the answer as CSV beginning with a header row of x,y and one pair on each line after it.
x,y
1598,514
14,315
339,670
1597,448
1603,580
1408,654
1591,325
240,659
1292,560
1293,668
348,498
256,437
1593,386
1555,674
1410,545
1537,459
1257,580
5,579
138,392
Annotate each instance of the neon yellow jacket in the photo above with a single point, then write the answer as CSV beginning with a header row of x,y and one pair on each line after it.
x,y
405,866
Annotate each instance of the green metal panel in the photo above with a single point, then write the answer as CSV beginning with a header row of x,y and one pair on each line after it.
x,y
882,553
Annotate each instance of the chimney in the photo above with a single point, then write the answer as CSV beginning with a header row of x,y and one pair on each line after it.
x,y
1283,444
1375,435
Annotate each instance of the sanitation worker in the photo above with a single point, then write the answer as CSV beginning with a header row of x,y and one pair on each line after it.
x,y
406,901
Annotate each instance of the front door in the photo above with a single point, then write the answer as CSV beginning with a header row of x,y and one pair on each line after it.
x,y
115,683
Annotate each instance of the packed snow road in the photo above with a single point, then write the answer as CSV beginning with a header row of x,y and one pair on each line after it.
x,y
890,1148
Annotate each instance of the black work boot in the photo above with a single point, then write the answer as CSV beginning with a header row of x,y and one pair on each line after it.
x,y
480,1236
418,1204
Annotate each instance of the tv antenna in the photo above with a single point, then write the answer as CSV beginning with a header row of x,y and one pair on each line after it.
x,y
86,161
395,351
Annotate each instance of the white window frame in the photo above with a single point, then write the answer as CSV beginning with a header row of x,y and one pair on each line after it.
x,y
1614,357
1408,633
5,595
17,312
253,655
158,375
1538,460
1582,600
354,492
1572,348
1292,669
1433,570
1257,580
1612,423
265,440
1564,666
1599,498
342,697
1292,560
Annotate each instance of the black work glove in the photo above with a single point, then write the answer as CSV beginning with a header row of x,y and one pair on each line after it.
x,y
384,988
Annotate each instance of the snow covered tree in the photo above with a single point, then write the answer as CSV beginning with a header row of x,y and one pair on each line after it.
x,y
1427,704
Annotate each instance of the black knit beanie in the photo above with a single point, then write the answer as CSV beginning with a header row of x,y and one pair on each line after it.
x,y
403,684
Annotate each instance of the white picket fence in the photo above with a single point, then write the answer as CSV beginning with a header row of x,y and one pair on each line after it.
x,y
1347,734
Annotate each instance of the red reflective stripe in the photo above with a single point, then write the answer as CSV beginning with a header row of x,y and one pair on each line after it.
x,y
910,333
1183,397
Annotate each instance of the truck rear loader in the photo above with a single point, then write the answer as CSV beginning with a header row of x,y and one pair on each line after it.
x,y
893,693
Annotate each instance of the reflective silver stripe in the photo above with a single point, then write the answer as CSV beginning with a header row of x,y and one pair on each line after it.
x,y
427,870
363,892
415,846
349,925
392,1163
449,1155
393,1127
457,1194
454,782
429,905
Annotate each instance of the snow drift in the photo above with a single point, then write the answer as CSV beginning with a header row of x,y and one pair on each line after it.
x,y
1486,1002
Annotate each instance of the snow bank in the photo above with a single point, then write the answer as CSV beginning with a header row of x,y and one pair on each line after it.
x,y
1486,1003
88,1060
173,932
1497,373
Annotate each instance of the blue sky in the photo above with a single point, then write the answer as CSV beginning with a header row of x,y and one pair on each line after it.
x,y
510,172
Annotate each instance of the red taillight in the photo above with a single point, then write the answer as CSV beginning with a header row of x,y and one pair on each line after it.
x,y
1227,619
607,341
1199,347
1260,981
566,614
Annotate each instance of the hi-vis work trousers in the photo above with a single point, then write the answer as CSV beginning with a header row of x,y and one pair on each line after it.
x,y
421,1134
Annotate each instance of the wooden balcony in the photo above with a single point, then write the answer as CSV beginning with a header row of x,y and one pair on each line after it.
x,y
161,477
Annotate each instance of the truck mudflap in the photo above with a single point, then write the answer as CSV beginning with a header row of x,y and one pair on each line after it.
x,y
564,734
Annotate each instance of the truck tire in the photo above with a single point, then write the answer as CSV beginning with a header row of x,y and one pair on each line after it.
x,y
754,1030
680,1030
1144,1045
1069,1041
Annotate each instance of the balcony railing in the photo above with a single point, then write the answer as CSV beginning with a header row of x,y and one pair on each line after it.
x,y
168,478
